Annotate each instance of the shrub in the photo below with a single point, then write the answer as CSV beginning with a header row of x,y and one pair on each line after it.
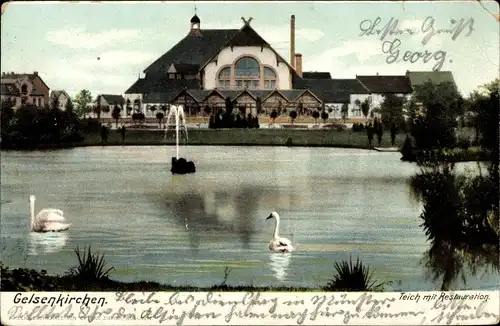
x,y
90,266
353,277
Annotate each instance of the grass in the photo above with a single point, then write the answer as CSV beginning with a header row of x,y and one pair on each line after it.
x,y
354,277
245,137
90,266
90,275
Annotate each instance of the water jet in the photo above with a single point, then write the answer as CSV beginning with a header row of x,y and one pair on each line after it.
x,y
179,165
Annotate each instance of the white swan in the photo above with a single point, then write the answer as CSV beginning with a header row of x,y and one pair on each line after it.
x,y
47,220
278,244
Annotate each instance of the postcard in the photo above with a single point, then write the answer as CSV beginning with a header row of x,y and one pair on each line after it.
x,y
249,163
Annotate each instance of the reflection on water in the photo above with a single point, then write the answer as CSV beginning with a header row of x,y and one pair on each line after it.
x,y
47,242
155,226
203,212
279,263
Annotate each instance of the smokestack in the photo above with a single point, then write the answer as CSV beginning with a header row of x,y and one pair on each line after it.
x,y
292,40
298,64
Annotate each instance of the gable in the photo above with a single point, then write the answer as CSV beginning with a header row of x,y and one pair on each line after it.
x,y
308,98
275,97
247,36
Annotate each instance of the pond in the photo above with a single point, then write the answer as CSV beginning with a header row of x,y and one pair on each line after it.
x,y
185,230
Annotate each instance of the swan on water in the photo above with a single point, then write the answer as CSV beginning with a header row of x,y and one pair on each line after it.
x,y
278,244
47,220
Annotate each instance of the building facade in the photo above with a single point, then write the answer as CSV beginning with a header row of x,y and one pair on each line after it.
x,y
59,97
24,89
209,66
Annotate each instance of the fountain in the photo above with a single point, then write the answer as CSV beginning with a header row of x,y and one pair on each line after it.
x,y
179,165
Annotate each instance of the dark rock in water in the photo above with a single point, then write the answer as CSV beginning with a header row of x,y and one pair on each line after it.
x,y
181,166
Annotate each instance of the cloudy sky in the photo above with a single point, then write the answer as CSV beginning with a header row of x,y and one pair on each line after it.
x,y
62,41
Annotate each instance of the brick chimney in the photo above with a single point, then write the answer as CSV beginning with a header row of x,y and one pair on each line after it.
x,y
292,40
298,64
35,73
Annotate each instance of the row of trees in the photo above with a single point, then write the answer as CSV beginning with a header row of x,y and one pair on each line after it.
x,y
29,126
460,213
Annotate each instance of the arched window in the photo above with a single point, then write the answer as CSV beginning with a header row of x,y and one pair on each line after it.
x,y
24,89
224,78
247,73
269,78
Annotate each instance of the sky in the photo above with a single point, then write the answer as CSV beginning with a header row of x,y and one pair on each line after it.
x,y
63,41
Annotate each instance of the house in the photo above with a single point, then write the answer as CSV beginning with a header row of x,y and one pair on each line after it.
x,y
22,88
60,97
209,65
106,103
380,85
418,78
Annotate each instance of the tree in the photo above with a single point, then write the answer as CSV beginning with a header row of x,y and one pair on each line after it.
x,y
315,116
344,111
391,110
357,102
274,115
160,116
324,116
365,107
115,114
82,101
258,105
440,105
69,106
293,115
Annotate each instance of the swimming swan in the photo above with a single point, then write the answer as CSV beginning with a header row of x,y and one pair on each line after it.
x,y
47,220
278,244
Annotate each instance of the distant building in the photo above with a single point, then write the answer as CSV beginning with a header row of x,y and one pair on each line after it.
x,y
209,65
107,102
418,78
61,97
379,85
22,88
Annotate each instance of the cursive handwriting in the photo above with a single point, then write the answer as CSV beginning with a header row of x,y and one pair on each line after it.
x,y
180,308
428,28
394,55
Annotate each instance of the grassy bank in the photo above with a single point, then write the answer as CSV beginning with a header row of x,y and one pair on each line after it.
x,y
91,274
453,155
245,137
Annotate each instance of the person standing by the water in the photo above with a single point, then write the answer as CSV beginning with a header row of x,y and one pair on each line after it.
x,y
369,133
394,129
122,131
104,134
380,132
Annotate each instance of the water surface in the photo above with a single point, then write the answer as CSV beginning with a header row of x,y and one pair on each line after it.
x,y
334,203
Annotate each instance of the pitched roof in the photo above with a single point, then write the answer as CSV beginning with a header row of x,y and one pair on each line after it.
x,y
9,89
386,84
332,90
186,68
163,90
113,99
57,93
193,49
247,36
436,77
12,77
316,75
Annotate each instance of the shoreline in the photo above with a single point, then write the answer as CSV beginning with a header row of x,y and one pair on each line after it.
x,y
26,280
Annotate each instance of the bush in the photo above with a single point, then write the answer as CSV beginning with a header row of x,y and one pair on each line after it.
x,y
353,277
90,266
138,116
91,125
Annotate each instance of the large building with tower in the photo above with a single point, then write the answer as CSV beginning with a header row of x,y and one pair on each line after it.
x,y
208,66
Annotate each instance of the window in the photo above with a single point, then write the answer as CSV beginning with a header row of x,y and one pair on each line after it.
x,y
247,73
269,78
224,78
24,89
269,84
